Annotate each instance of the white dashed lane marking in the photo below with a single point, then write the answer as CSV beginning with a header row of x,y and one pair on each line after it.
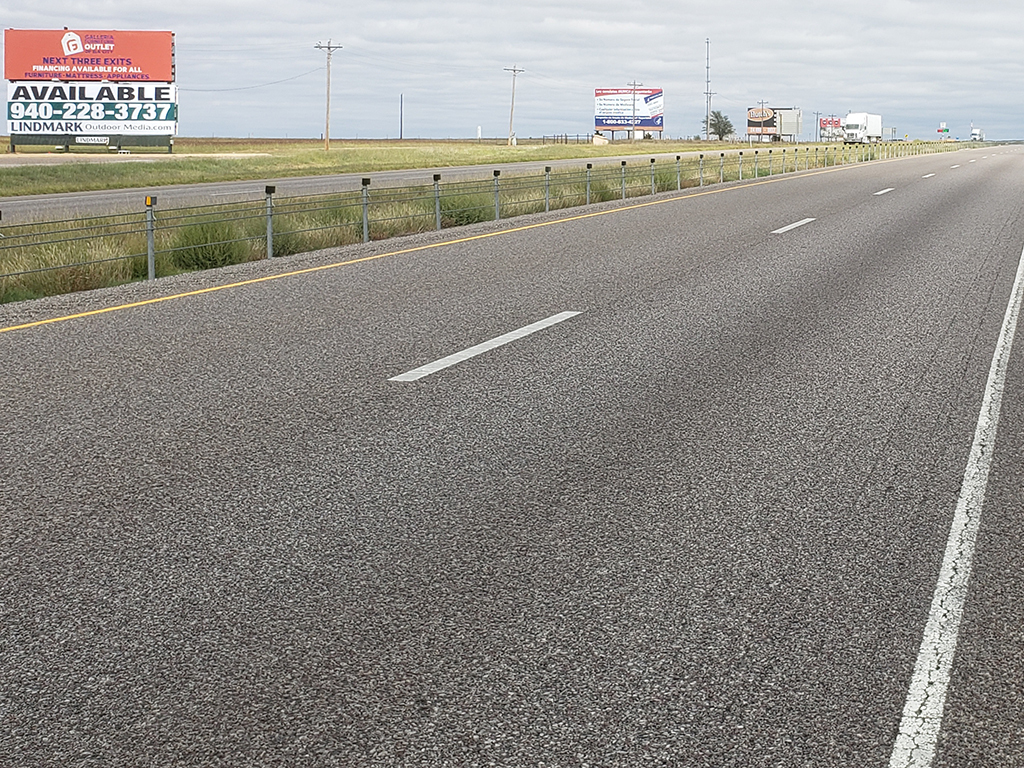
x,y
479,349
788,227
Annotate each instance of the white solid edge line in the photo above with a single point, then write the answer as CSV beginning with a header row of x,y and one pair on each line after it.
x,y
479,349
788,227
926,699
884,191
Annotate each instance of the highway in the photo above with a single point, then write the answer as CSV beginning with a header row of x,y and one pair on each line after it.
x,y
664,483
114,201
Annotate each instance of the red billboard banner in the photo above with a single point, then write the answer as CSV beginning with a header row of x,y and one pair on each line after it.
x,y
65,54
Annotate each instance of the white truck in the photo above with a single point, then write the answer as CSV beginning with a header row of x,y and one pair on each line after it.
x,y
977,134
862,128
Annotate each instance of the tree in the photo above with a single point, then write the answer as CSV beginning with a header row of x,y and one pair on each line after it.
x,y
721,126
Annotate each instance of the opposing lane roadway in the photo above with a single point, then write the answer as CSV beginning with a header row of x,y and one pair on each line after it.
x,y
698,523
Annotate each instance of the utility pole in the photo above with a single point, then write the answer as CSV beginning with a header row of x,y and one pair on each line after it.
x,y
817,124
515,71
401,116
327,123
708,94
634,84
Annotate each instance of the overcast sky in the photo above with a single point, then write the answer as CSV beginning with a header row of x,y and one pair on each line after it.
x,y
917,63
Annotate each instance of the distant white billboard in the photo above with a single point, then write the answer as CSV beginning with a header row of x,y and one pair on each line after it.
x,y
626,108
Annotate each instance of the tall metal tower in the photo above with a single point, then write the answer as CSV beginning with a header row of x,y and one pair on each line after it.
x,y
708,93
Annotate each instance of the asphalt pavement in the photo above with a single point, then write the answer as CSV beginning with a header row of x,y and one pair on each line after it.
x,y
694,518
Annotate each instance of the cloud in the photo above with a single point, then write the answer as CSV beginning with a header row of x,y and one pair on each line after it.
x,y
917,63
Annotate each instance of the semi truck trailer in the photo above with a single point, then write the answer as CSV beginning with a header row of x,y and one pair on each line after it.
x,y
862,128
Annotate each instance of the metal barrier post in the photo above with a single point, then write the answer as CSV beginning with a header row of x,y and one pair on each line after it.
x,y
783,160
721,168
150,237
623,179
547,188
366,210
589,166
437,200
270,220
815,157
756,174
497,199
741,165
679,174
769,162
702,170
652,176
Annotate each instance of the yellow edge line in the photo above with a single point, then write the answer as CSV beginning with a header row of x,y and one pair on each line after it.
x,y
322,267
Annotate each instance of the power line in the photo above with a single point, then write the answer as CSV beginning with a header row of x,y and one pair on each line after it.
x,y
249,87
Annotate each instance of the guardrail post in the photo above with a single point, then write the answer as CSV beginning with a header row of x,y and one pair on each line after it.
x,y
756,174
547,188
589,167
497,198
437,200
366,210
815,157
652,176
769,162
270,190
150,237
721,168
702,170
783,160
679,173
623,179
741,165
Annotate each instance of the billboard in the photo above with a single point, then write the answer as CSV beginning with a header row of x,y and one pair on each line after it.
x,y
90,109
761,121
626,108
77,55
774,121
